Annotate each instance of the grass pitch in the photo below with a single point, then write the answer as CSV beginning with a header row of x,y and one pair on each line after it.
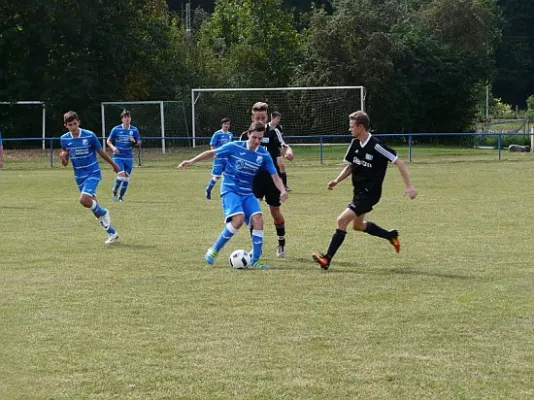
x,y
450,317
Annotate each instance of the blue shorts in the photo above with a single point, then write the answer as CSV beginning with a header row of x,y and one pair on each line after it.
x,y
234,204
88,184
219,164
125,165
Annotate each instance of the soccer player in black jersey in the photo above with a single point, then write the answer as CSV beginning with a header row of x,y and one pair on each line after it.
x,y
263,185
367,161
286,151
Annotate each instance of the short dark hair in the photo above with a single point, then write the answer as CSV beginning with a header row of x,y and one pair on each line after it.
x,y
275,114
225,120
256,127
260,107
361,118
125,113
70,116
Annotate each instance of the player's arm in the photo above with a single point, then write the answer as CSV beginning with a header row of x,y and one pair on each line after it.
x,y
136,138
108,159
345,172
202,156
110,140
410,190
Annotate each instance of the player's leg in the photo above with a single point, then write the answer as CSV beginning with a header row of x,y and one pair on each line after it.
x,y
272,198
118,180
125,173
282,167
88,200
359,224
234,216
216,173
254,219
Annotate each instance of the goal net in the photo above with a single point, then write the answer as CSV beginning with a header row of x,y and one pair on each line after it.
x,y
25,120
161,124
306,111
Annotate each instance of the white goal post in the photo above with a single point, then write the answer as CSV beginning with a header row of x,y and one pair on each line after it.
x,y
318,110
43,114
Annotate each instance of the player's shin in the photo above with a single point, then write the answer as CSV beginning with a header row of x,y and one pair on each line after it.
x,y
337,240
374,230
97,209
224,237
257,244
124,186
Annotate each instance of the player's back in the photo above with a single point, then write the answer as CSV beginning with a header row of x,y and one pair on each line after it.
x,y
82,151
121,139
243,165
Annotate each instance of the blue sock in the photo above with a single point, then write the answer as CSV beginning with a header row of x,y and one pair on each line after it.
x,y
116,185
224,237
211,184
97,209
124,186
111,230
257,244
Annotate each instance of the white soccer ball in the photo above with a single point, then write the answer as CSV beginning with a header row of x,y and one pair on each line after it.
x,y
239,259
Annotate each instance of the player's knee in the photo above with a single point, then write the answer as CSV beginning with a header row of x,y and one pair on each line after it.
x,y
277,214
123,174
358,225
238,220
257,221
86,200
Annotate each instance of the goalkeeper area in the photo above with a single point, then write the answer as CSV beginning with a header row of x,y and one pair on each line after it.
x,y
449,317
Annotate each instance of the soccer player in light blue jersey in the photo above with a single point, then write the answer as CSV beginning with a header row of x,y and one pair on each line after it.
x,y
239,203
81,146
121,141
219,138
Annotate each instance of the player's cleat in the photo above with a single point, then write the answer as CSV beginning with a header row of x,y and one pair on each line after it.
x,y
121,200
105,220
114,196
112,238
258,264
394,239
208,194
280,251
322,260
210,256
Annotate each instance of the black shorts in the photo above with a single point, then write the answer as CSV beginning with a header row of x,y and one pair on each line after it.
x,y
263,186
362,203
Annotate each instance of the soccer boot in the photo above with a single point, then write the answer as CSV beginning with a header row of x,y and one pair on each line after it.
x,y
210,256
114,196
121,200
112,238
394,239
208,194
322,260
259,265
280,251
105,220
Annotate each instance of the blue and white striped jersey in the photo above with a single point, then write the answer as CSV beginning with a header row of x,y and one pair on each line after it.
x,y
120,137
220,138
242,166
82,152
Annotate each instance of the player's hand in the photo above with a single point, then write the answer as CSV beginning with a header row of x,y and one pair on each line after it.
x,y
132,139
332,184
410,192
289,155
116,168
115,150
283,196
184,164
64,157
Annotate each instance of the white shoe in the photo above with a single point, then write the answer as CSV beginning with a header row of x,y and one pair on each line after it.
x,y
280,251
112,238
105,220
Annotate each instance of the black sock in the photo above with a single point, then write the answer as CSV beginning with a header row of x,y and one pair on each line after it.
x,y
337,240
283,175
281,233
374,230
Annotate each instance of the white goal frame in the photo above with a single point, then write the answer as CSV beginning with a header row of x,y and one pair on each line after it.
x,y
43,114
195,94
117,103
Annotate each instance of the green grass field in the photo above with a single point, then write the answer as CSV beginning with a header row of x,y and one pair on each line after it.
x,y
450,317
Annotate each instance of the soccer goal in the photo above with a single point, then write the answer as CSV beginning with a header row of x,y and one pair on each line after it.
x,y
157,121
24,116
306,111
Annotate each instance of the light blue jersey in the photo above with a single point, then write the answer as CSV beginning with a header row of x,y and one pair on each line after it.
x,y
220,138
82,152
242,166
120,137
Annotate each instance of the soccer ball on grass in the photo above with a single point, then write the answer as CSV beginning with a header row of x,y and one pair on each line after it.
x,y
239,259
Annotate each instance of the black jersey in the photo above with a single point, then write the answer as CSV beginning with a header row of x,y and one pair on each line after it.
x,y
369,161
271,141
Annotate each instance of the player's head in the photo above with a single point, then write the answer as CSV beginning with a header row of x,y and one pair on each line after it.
x,y
126,118
358,123
71,121
225,123
255,134
275,118
259,112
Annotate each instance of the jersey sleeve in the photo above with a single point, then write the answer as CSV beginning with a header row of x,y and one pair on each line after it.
x,y
62,143
386,152
280,137
224,150
214,139
95,142
349,155
112,134
269,164
136,134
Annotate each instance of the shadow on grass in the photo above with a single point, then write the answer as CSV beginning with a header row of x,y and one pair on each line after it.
x,y
131,246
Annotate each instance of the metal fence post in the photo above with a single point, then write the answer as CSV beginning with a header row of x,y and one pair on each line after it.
x,y
499,138
51,152
410,147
